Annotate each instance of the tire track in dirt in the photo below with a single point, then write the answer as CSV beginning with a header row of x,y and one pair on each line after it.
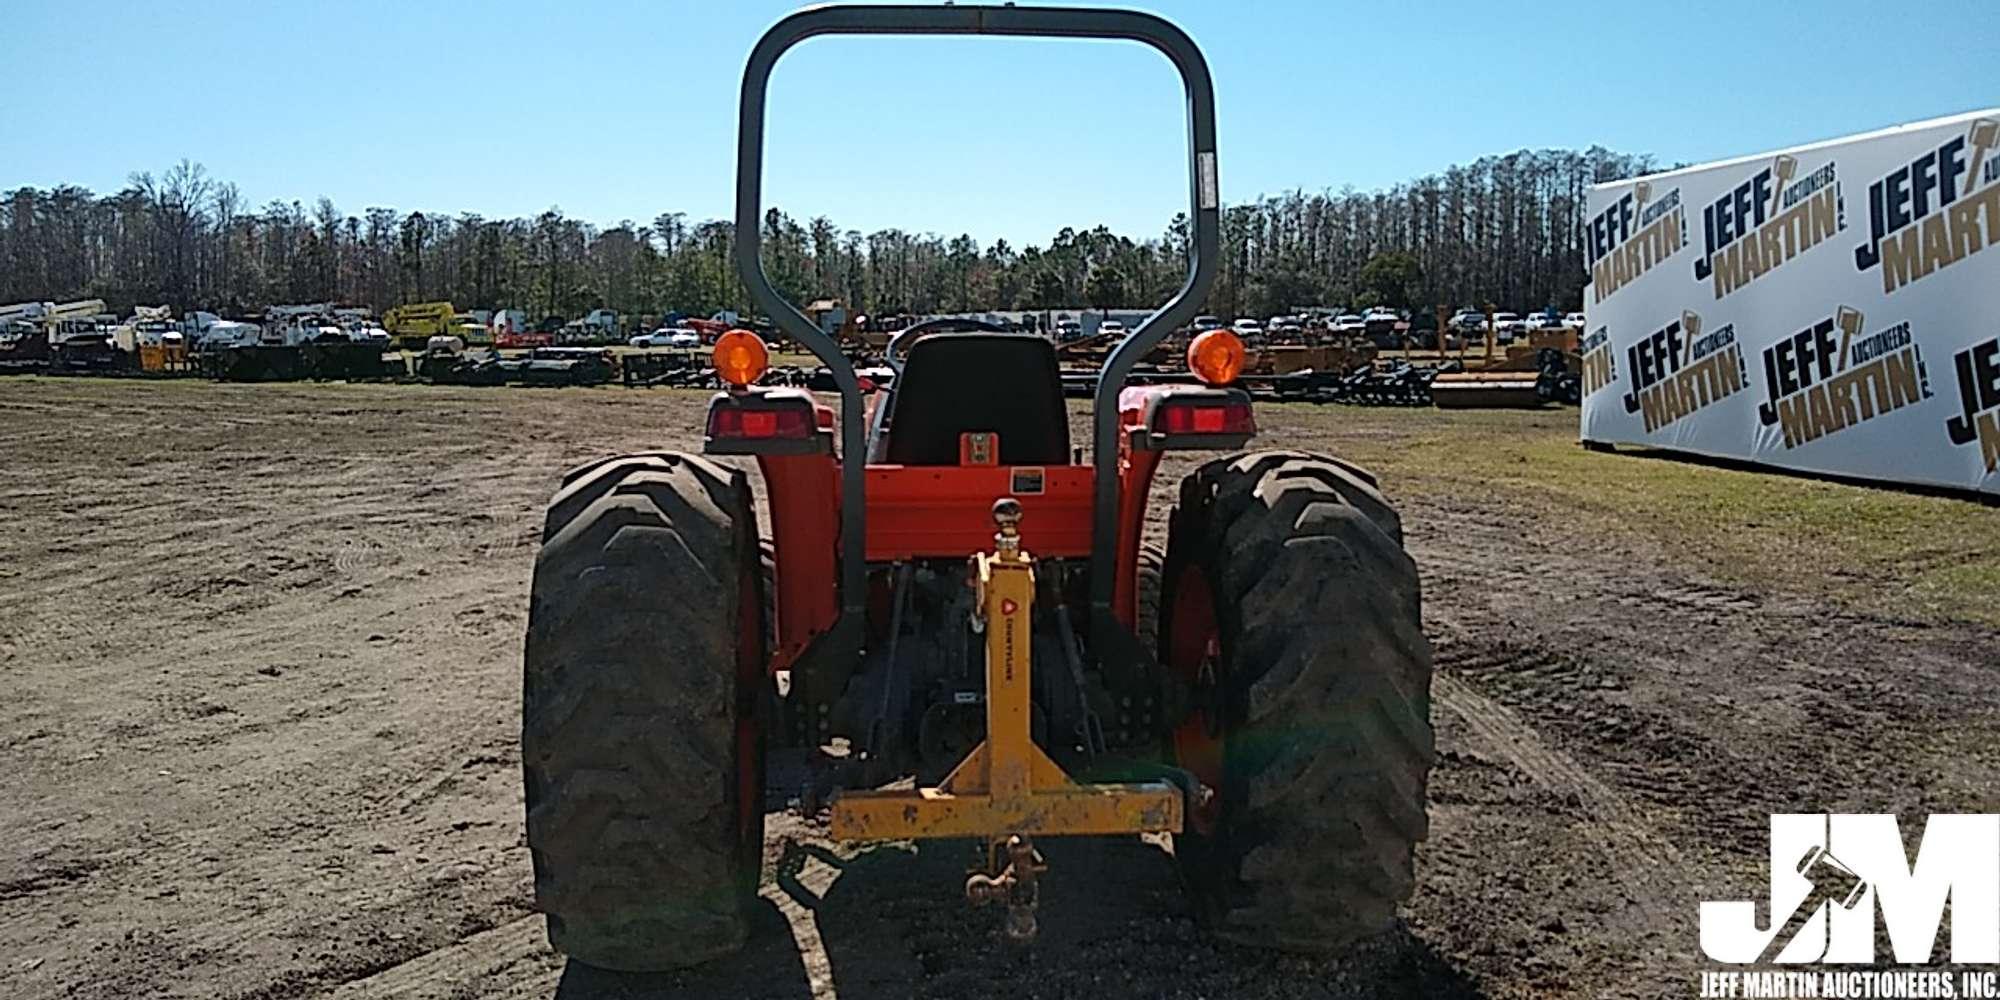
x,y
1628,843
1674,714
530,970
256,719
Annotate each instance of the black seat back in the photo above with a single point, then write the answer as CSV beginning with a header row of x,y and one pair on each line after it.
x,y
953,383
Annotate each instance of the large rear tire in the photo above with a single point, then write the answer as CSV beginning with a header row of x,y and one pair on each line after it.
x,y
641,737
1289,605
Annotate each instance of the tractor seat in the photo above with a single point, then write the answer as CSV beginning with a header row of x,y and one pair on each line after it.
x,y
954,383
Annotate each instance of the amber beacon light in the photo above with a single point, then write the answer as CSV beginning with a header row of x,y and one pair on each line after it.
x,y
741,357
1216,357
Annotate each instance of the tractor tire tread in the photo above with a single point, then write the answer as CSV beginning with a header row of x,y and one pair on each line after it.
x,y
1327,696
1146,620
630,707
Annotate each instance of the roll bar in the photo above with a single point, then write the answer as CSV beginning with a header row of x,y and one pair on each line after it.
x,y
1045,22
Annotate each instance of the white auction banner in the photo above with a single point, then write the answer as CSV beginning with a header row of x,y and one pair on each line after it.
x,y
1832,309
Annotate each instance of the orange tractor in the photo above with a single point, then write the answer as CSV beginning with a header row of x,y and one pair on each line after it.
x,y
949,590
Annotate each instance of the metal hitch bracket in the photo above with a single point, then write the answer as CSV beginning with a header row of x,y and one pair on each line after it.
x,y
1007,790
1019,865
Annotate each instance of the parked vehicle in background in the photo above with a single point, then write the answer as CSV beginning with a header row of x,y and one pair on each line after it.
x,y
361,326
1349,323
146,325
1068,330
1203,324
510,328
1246,328
599,326
1507,326
222,334
84,319
414,324
1574,321
1469,321
1380,324
1111,328
667,336
290,326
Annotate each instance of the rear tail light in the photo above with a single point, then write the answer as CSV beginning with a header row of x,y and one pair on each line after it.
x,y
1176,417
740,424
767,422
1162,417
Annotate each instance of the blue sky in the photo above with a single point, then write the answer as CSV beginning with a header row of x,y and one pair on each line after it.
x,y
624,110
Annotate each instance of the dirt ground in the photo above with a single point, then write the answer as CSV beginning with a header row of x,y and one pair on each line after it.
x,y
260,658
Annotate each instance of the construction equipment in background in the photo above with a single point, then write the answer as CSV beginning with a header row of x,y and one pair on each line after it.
x,y
155,338
1541,367
222,334
510,330
79,320
1285,359
24,342
599,326
79,338
23,347
1091,349
446,361
415,324
1524,382
21,312
312,341
833,318
297,325
472,326
361,326
952,594
1523,378
145,323
1385,328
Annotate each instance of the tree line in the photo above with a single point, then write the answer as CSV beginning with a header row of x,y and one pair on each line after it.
x,y
1505,230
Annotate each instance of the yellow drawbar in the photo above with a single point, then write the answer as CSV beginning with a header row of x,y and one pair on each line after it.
x,y
1007,786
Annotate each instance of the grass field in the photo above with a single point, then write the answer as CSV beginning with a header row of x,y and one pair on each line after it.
x,y
1896,553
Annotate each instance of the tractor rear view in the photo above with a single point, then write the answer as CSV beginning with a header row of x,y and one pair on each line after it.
x,y
948,591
